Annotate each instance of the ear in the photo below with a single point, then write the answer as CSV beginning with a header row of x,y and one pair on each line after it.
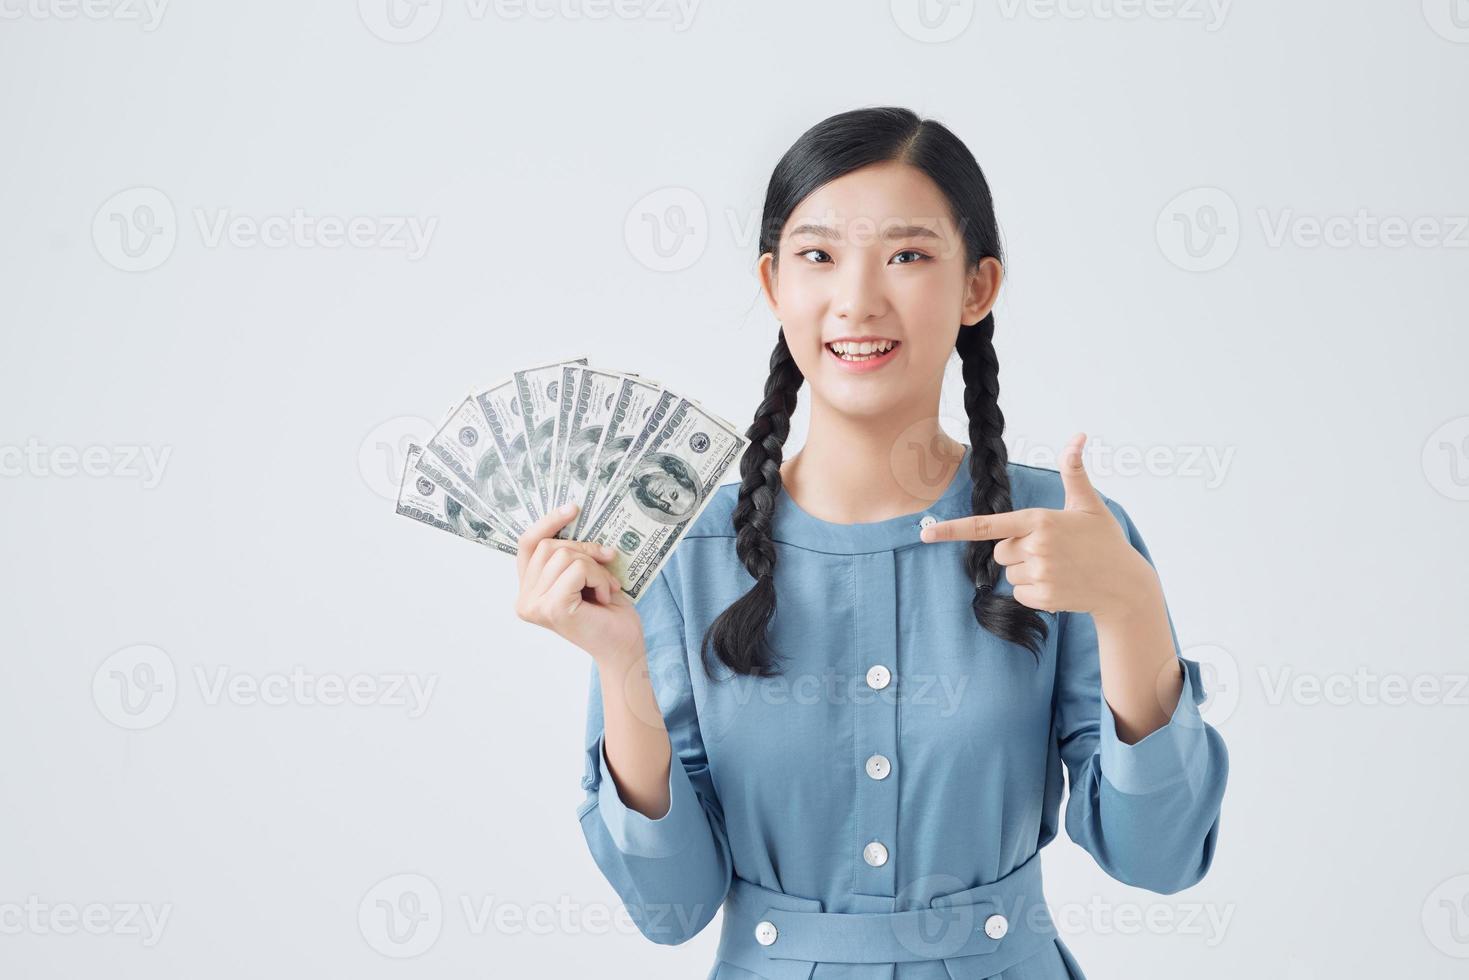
x,y
982,290
765,270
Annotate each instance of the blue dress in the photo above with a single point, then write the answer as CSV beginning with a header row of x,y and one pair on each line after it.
x,y
877,810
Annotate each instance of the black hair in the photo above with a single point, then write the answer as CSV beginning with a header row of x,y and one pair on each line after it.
x,y
833,147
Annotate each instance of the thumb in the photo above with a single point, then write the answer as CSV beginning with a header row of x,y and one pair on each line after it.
x,y
1080,494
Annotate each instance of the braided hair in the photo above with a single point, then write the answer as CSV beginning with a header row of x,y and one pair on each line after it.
x,y
834,147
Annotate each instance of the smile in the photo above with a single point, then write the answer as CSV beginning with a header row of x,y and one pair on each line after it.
x,y
864,354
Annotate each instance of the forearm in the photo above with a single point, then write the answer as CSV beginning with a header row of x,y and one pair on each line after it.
x,y
1141,675
635,740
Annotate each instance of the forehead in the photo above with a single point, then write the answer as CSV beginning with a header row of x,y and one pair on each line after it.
x,y
872,202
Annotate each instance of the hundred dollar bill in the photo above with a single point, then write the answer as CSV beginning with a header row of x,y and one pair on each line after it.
x,y
663,492
625,433
538,395
497,404
465,449
425,501
583,423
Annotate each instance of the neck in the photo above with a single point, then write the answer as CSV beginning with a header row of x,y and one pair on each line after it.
x,y
856,470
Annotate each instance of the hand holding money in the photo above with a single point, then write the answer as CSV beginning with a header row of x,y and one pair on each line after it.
x,y
567,587
641,463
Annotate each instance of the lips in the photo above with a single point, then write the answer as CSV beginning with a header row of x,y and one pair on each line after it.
x,y
856,349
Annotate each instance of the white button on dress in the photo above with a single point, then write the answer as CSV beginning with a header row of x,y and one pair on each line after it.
x,y
878,677
875,854
765,932
927,520
996,926
878,766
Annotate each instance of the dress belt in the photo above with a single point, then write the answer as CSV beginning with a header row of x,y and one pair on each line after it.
x,y
977,932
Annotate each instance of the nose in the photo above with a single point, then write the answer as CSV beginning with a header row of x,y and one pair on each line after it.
x,y
858,295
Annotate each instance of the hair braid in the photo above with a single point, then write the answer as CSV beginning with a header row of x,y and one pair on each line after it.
x,y
1002,615
738,634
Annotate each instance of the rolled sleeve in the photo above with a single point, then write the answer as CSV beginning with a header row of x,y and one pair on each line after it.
x,y
1164,756
638,835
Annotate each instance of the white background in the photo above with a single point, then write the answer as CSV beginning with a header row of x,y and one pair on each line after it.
x,y
591,177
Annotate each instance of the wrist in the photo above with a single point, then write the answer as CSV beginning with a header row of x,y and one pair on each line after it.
x,y
1142,599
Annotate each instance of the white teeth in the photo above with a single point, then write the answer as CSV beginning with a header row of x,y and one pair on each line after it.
x,y
852,351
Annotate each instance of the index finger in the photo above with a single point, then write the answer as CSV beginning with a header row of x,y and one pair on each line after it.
x,y
981,527
547,526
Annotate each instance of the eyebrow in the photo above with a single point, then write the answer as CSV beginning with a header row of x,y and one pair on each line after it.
x,y
899,231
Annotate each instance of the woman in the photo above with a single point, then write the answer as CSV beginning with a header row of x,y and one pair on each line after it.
x,y
901,638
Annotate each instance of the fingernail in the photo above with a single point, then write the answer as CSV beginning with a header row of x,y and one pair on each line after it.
x,y
567,508
607,549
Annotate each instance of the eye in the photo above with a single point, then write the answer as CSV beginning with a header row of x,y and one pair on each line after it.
x,y
811,251
910,251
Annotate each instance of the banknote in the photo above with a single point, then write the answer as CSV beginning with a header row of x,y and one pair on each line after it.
x,y
538,398
641,460
663,491
425,501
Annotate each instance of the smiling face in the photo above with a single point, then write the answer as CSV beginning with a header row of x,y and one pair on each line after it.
x,y
874,263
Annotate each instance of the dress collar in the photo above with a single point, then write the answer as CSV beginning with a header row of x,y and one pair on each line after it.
x,y
794,526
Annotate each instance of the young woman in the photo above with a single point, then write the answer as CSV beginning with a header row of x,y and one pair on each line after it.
x,y
842,709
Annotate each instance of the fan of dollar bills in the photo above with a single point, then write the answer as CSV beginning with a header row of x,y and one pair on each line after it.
x,y
642,461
